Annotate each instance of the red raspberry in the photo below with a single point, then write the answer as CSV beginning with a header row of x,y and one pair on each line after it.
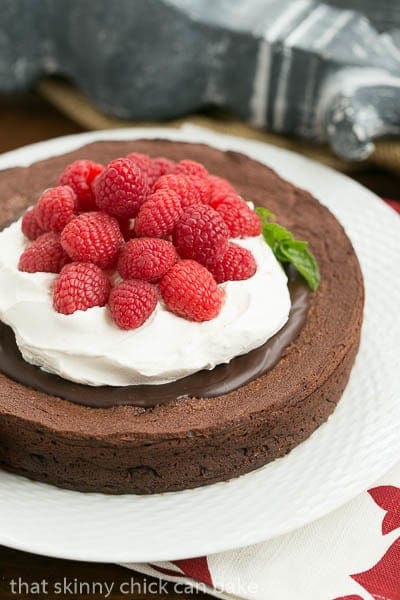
x,y
121,188
146,258
44,255
201,234
93,237
182,185
191,168
202,186
55,208
158,215
163,166
132,302
238,216
29,225
146,165
80,175
190,291
199,176
80,286
219,189
237,263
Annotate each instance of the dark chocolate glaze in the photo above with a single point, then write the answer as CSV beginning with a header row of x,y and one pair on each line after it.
x,y
223,379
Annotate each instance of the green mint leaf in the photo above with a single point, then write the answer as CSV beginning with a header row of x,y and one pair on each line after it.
x,y
264,214
299,255
274,234
288,250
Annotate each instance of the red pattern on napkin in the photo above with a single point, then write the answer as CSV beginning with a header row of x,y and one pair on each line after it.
x,y
196,568
382,581
394,204
164,571
388,498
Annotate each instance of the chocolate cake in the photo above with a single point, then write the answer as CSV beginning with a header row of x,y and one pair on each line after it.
x,y
210,426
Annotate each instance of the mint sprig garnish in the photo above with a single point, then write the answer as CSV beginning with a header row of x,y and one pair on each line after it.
x,y
289,250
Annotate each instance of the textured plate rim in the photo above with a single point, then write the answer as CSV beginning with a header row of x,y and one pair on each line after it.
x,y
189,546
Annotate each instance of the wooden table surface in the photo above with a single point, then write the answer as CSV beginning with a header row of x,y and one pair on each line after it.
x,y
24,120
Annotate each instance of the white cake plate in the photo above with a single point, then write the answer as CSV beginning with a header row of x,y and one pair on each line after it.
x,y
343,457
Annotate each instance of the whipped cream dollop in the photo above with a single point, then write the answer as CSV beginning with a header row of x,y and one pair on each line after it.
x,y
87,347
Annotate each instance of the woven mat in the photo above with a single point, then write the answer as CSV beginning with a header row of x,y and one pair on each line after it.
x,y
80,109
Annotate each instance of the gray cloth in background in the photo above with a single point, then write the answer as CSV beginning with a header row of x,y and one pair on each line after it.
x,y
317,70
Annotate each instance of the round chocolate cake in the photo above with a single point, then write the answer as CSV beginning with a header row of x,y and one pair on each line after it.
x,y
211,425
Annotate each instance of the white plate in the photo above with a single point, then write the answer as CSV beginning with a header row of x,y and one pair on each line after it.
x,y
357,445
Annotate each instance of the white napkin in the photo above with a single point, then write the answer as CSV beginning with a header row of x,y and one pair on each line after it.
x,y
351,554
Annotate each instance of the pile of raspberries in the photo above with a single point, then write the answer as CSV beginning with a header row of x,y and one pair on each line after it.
x,y
164,226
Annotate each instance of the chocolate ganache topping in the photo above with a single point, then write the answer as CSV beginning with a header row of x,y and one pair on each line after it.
x,y
223,379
